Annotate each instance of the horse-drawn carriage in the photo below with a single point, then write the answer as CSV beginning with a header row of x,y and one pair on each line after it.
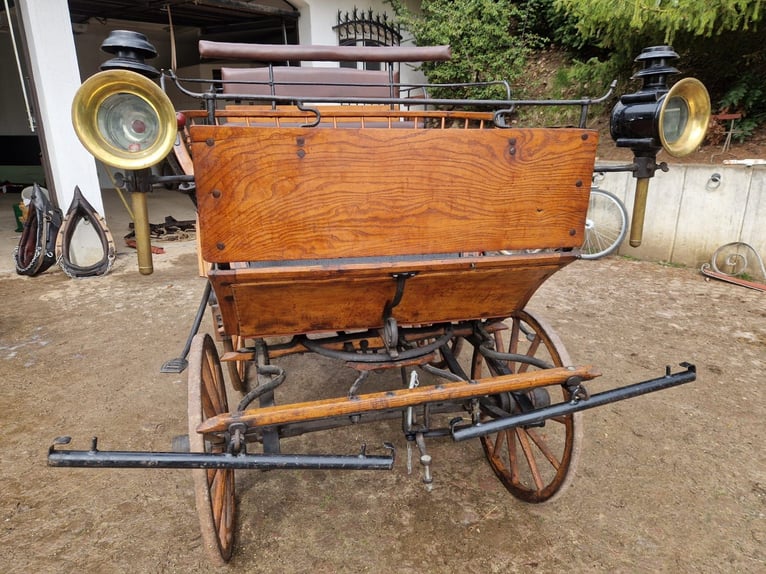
x,y
346,215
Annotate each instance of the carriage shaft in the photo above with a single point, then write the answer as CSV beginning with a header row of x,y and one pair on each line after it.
x,y
540,415
398,399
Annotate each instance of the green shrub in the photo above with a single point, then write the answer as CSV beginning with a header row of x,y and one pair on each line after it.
x,y
490,41
748,97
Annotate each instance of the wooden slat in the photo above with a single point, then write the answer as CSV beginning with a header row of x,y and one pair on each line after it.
x,y
181,152
402,398
299,193
303,299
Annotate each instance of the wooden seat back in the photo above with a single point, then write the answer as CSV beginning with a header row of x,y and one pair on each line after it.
x,y
275,194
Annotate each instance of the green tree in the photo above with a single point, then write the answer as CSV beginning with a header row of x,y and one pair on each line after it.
x,y
490,40
619,24
720,41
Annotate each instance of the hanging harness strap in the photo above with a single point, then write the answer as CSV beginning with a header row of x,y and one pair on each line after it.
x,y
36,250
82,212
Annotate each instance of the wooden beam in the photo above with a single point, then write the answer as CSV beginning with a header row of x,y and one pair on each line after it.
x,y
252,7
398,399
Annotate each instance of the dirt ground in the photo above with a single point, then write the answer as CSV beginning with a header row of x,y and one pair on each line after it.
x,y
670,482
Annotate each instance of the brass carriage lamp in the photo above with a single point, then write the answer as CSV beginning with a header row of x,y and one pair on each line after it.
x,y
120,115
655,118
126,121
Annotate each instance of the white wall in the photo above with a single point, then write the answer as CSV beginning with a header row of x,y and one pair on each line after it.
x,y
689,216
47,31
319,16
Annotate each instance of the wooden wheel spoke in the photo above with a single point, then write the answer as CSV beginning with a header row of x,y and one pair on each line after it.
x,y
513,344
217,497
526,448
513,459
213,387
208,406
476,365
500,345
543,446
498,444
227,522
531,352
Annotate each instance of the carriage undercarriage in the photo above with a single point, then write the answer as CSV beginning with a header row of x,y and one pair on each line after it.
x,y
509,383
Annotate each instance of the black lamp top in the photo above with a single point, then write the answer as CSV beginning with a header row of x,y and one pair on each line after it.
x,y
130,50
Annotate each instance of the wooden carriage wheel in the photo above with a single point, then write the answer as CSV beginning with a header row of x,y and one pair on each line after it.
x,y
535,464
237,369
214,489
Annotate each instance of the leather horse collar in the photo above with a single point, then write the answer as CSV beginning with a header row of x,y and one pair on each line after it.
x,y
82,212
36,249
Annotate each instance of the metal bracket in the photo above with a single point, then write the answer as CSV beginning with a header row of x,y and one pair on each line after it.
x,y
390,334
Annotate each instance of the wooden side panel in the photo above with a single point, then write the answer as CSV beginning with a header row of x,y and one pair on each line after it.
x,y
285,301
300,193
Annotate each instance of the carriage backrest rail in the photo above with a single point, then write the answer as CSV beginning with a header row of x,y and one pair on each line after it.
x,y
270,81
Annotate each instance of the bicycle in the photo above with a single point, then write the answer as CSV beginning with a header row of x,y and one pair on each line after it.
x,y
606,224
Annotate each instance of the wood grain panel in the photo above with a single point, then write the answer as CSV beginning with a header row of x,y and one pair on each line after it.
x,y
284,301
299,193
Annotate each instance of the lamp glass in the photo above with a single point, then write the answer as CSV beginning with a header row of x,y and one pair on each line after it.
x,y
675,119
128,123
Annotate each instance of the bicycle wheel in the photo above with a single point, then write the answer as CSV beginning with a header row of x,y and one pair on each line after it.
x,y
605,225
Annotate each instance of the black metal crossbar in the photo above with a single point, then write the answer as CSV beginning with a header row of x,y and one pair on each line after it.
x,y
95,458
538,416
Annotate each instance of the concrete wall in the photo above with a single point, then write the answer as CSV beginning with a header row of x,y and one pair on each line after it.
x,y
689,215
